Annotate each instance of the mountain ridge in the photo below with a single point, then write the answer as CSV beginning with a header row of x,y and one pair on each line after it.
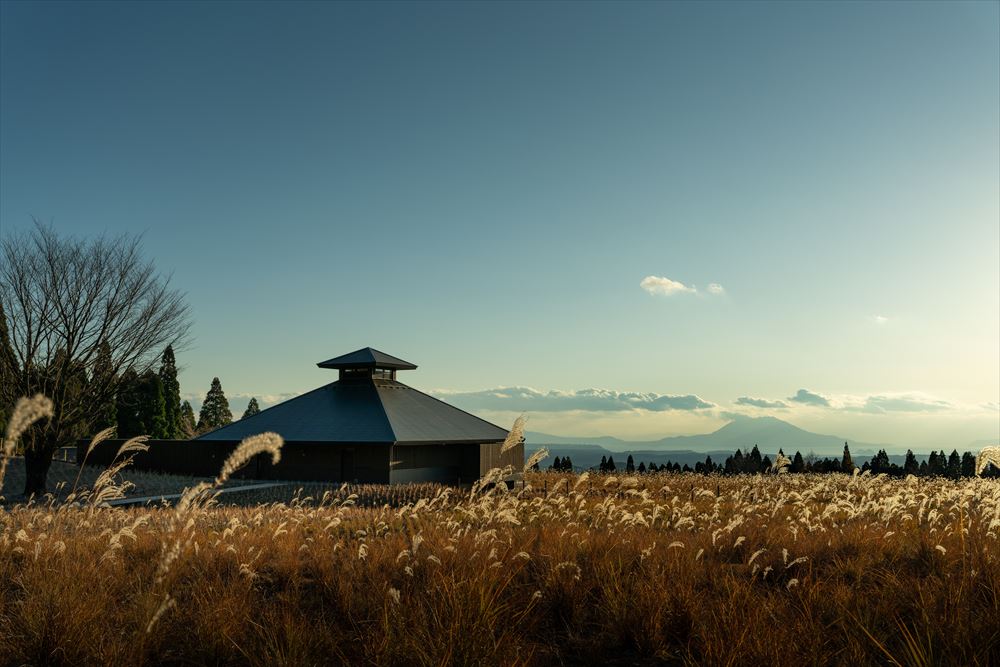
x,y
769,433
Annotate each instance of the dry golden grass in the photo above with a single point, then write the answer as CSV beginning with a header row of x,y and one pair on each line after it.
x,y
63,476
681,569
651,569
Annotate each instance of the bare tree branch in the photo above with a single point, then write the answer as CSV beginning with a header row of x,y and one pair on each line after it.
x,y
64,298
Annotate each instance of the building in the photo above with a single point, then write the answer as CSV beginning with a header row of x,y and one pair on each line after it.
x,y
369,427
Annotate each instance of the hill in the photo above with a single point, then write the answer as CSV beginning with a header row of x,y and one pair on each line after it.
x,y
769,433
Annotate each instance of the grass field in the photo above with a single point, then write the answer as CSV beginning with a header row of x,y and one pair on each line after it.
x,y
64,477
653,569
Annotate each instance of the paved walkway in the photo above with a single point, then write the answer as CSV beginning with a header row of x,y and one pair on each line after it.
x,y
145,500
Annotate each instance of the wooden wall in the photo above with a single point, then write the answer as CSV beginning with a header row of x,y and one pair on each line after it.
x,y
490,457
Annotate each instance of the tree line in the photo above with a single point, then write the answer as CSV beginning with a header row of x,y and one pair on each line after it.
x,y
150,404
142,404
91,325
937,464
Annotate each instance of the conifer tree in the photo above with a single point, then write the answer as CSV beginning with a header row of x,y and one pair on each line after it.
x,y
105,414
188,427
798,463
252,408
152,406
9,367
215,409
739,462
556,464
127,406
968,464
753,462
935,464
171,393
954,465
642,467
629,464
847,463
611,464
567,464
910,465
880,463
604,464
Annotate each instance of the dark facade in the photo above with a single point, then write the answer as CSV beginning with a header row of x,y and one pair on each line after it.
x,y
364,427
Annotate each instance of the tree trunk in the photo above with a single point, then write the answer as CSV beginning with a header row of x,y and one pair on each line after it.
x,y
36,469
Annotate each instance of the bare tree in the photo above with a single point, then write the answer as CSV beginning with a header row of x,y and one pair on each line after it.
x,y
66,301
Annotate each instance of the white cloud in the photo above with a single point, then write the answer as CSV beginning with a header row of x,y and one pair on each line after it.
x,y
716,288
901,402
879,319
665,286
525,399
904,403
806,397
760,402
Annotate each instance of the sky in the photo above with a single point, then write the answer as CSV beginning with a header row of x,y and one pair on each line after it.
x,y
621,219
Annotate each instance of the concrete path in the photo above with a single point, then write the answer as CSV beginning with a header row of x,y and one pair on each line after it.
x,y
145,500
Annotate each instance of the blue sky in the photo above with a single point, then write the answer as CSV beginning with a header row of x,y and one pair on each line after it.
x,y
539,197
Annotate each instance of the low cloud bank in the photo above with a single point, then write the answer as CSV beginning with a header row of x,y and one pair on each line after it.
x,y
526,399
760,402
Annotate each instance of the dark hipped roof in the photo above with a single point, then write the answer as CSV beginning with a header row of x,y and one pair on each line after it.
x,y
367,411
367,358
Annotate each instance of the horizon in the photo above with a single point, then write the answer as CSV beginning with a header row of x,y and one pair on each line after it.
x,y
627,220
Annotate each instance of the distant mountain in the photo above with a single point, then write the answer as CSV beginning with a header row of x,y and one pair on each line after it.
x,y
769,433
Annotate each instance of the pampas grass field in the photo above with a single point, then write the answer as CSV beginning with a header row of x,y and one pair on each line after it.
x,y
568,569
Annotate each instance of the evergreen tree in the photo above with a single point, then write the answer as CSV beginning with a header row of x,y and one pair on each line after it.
x,y
171,393
923,468
611,464
798,463
739,462
556,464
252,408
765,464
954,465
910,465
936,465
71,376
567,464
187,424
880,463
753,461
629,464
105,414
127,406
152,406
847,463
642,468
709,466
215,410
968,464
9,367
604,464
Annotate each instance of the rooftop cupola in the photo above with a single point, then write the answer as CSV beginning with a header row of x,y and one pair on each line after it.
x,y
367,363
